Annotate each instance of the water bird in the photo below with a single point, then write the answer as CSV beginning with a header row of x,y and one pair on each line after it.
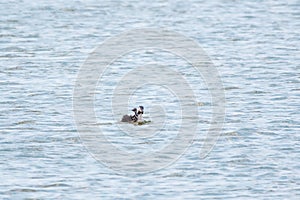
x,y
136,117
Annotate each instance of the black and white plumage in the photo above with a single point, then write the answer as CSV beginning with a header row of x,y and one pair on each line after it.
x,y
137,117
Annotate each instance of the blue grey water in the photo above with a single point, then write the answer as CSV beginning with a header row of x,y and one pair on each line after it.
x,y
254,45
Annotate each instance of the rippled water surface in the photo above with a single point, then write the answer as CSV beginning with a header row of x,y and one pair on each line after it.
x,y
253,44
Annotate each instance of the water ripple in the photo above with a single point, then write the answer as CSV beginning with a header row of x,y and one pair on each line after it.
x,y
255,46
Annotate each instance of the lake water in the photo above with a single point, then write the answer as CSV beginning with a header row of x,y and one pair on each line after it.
x,y
255,47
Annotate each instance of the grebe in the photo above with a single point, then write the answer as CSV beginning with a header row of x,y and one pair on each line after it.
x,y
137,117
